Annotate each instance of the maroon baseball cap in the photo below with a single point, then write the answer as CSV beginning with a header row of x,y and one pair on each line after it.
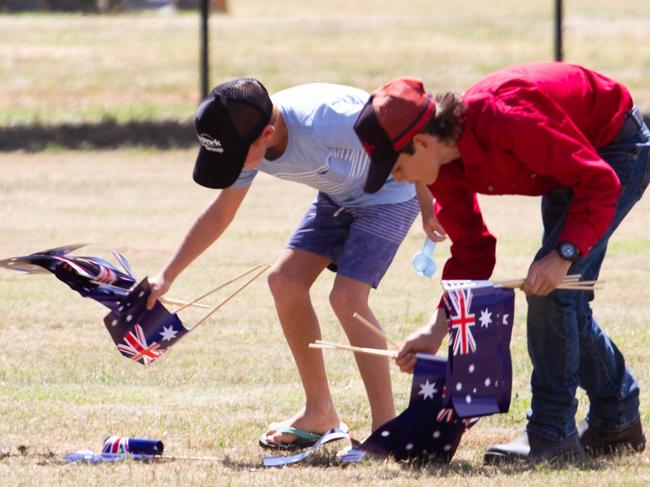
x,y
227,122
393,114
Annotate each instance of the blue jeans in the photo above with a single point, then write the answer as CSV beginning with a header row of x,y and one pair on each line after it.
x,y
566,346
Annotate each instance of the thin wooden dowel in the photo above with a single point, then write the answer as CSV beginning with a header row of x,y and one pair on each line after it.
x,y
572,277
220,286
569,282
513,283
368,324
369,351
337,347
213,310
176,302
578,288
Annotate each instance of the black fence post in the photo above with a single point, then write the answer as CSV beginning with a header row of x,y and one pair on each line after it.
x,y
205,65
559,54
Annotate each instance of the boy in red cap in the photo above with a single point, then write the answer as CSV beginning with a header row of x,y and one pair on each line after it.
x,y
559,131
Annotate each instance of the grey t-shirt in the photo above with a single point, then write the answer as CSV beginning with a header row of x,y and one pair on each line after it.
x,y
323,150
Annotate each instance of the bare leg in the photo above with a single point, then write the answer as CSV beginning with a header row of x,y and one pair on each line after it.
x,y
290,279
347,297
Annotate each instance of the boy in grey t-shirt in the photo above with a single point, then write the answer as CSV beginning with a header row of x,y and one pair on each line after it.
x,y
304,134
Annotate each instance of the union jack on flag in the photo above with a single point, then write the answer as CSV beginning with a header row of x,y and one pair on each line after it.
x,y
116,444
140,334
459,302
122,445
136,348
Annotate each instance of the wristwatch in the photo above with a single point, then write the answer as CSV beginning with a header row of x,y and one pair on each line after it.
x,y
568,251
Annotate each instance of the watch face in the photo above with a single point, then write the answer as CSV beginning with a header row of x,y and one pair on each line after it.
x,y
567,251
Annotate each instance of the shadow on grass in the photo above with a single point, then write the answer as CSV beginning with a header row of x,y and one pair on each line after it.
x,y
416,469
107,134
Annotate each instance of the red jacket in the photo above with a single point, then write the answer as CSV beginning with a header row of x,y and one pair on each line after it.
x,y
530,129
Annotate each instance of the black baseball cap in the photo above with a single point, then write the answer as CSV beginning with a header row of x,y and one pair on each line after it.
x,y
227,122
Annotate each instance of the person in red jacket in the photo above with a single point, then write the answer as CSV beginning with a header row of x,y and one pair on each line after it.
x,y
572,136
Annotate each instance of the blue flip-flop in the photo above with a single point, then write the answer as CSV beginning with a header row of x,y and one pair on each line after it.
x,y
303,439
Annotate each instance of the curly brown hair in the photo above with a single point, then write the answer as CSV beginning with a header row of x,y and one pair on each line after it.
x,y
447,122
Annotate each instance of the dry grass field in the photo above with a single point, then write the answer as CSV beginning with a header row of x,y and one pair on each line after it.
x,y
64,386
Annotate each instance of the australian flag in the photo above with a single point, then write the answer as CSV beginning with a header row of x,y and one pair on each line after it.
x,y
479,374
115,444
448,396
92,277
140,334
427,430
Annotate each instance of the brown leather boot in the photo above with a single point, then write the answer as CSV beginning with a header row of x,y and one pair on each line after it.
x,y
532,448
598,442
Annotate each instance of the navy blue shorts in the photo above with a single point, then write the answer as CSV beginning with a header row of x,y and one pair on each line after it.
x,y
360,242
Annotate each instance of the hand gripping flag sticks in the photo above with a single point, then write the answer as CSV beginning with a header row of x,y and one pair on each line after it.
x,y
447,396
571,282
139,334
143,335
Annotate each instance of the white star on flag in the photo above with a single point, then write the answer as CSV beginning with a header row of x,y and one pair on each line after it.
x,y
487,382
459,386
168,333
485,318
385,433
471,368
428,390
436,434
468,399
505,319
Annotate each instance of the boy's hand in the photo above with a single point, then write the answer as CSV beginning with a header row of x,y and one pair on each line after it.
x,y
430,223
433,228
424,340
159,286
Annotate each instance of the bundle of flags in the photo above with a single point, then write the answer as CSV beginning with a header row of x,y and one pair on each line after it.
x,y
428,429
139,334
448,396
92,277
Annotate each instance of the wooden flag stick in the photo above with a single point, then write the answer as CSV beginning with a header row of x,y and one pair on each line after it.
x,y
368,324
213,310
370,351
220,286
572,277
176,302
569,282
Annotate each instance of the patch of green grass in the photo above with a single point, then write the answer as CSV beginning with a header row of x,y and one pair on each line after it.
x,y
144,66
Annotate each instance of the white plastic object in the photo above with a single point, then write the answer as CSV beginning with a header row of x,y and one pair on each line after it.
x,y
423,262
